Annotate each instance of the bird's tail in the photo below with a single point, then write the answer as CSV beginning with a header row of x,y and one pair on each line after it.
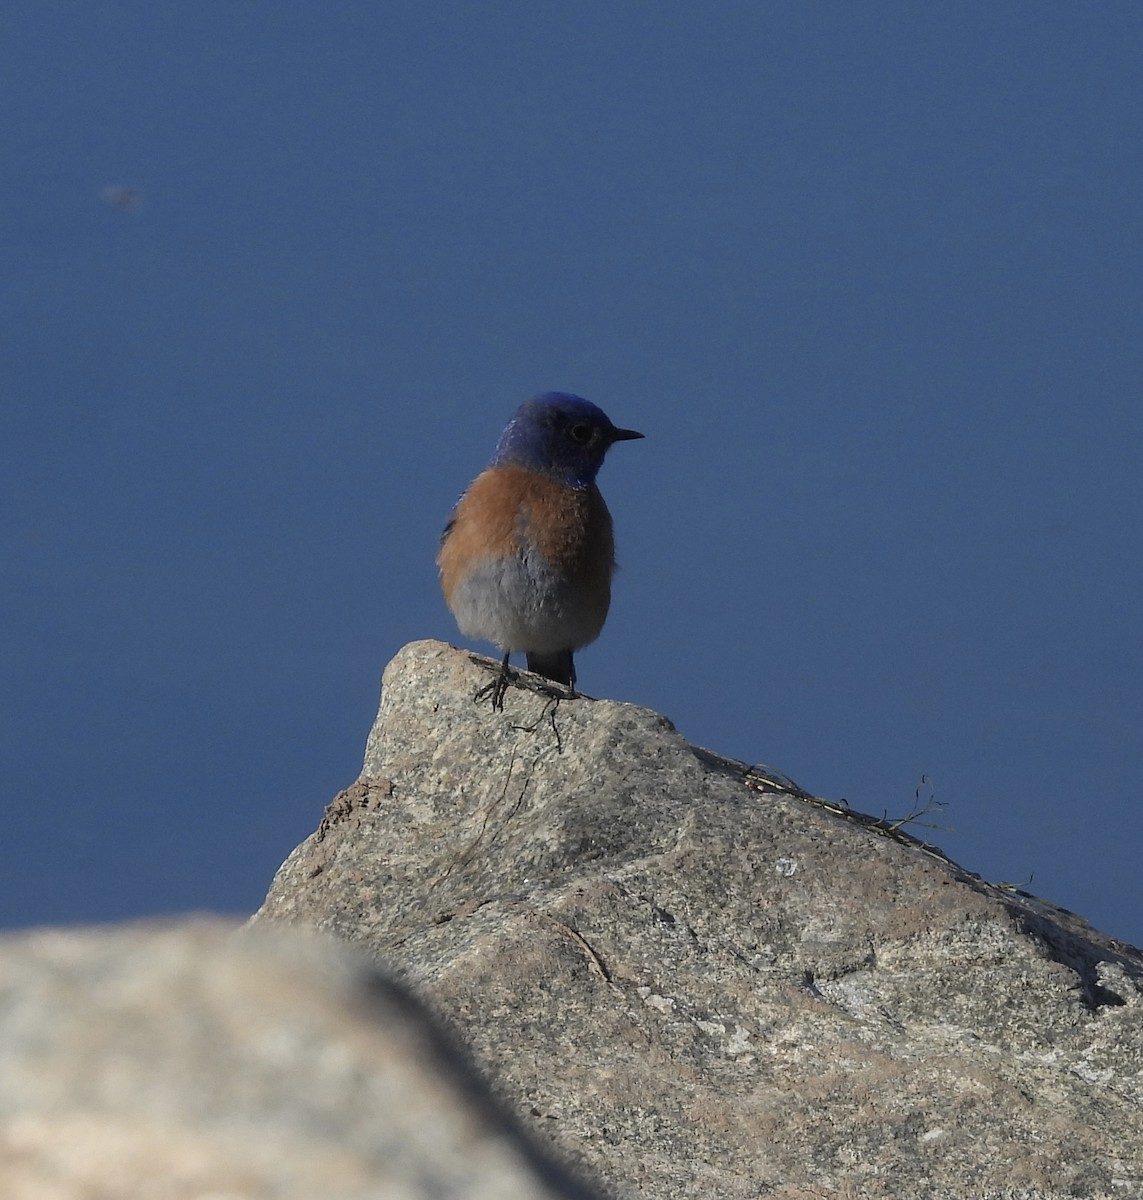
x,y
558,666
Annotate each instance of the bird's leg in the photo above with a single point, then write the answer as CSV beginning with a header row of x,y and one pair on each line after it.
x,y
571,676
496,689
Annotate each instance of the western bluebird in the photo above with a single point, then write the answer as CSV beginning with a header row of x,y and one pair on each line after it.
x,y
527,556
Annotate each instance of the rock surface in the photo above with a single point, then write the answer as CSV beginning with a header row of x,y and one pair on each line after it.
x,y
187,1063
696,985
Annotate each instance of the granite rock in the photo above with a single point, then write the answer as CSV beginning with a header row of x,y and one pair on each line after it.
x,y
185,1061
697,981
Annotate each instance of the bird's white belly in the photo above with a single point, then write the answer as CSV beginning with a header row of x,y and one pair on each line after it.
x,y
521,605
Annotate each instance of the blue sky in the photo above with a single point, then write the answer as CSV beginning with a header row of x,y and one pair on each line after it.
x,y
867,276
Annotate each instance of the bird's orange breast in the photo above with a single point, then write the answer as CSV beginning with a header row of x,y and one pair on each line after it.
x,y
511,512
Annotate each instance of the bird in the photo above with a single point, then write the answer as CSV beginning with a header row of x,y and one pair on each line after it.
x,y
527,555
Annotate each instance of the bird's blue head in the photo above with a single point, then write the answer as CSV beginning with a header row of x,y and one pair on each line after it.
x,y
561,436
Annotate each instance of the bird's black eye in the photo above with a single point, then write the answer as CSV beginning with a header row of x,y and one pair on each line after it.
x,y
580,434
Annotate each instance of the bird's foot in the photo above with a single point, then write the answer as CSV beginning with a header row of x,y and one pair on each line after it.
x,y
497,688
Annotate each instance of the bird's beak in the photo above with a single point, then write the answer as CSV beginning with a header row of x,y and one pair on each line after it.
x,y
624,435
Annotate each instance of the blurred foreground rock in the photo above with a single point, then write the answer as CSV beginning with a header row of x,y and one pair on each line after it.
x,y
185,1063
696,985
